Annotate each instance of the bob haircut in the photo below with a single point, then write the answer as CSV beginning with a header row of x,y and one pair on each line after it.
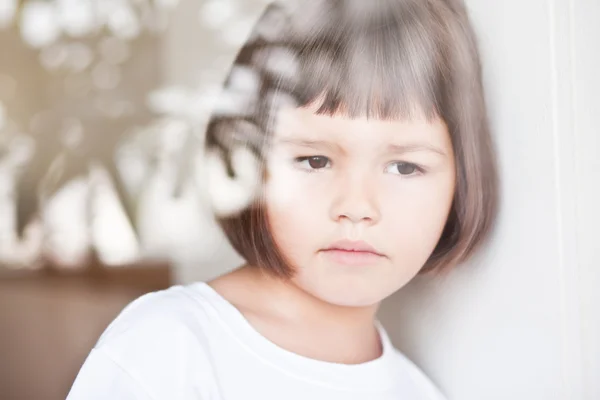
x,y
384,59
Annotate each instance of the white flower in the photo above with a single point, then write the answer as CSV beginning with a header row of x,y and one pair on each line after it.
x,y
216,13
112,233
21,151
76,17
172,135
231,195
65,218
123,22
240,95
244,79
279,61
39,24
170,100
133,165
273,24
200,104
237,32
7,12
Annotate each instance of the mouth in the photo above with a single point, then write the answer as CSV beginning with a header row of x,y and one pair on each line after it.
x,y
352,253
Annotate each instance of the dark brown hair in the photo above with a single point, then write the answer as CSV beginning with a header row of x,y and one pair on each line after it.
x,y
380,59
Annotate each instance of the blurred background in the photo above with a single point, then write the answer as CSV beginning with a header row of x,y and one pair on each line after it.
x,y
101,196
103,105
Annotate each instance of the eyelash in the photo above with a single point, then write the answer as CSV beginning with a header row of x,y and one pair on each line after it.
x,y
419,170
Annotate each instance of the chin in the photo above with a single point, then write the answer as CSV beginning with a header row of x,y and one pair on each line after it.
x,y
350,287
349,296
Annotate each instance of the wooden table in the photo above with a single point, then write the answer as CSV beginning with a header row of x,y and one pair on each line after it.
x,y
50,321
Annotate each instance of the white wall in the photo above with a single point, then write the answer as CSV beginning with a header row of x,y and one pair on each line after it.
x,y
585,78
522,321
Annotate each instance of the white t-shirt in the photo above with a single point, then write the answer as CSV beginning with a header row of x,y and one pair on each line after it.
x,y
188,342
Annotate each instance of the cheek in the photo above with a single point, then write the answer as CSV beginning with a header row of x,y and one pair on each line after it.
x,y
415,214
287,186
295,209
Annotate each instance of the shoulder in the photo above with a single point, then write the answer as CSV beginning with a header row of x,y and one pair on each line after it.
x,y
410,380
418,379
159,339
168,317
169,312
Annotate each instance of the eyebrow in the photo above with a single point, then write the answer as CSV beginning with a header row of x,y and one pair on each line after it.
x,y
413,148
315,144
391,149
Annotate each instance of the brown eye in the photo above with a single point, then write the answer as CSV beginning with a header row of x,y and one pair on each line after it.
x,y
318,162
404,168
313,162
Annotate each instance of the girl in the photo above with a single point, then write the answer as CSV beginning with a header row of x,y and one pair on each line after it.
x,y
353,141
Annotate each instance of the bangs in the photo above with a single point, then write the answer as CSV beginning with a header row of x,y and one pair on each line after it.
x,y
388,64
383,61
392,71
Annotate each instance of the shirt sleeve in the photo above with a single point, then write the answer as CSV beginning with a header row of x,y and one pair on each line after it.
x,y
102,378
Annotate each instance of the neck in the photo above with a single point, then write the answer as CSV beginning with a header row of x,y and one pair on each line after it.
x,y
319,329
286,298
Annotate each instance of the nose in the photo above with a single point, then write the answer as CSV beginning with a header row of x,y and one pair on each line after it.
x,y
355,200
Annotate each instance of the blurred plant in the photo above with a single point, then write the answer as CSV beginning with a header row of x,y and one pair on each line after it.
x,y
85,46
16,150
102,195
43,22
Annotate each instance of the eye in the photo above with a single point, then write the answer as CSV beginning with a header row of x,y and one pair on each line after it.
x,y
313,163
404,168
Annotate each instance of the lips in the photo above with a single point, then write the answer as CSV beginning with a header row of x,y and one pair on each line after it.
x,y
353,246
352,253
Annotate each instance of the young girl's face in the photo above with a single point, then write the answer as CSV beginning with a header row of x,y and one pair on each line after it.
x,y
357,205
